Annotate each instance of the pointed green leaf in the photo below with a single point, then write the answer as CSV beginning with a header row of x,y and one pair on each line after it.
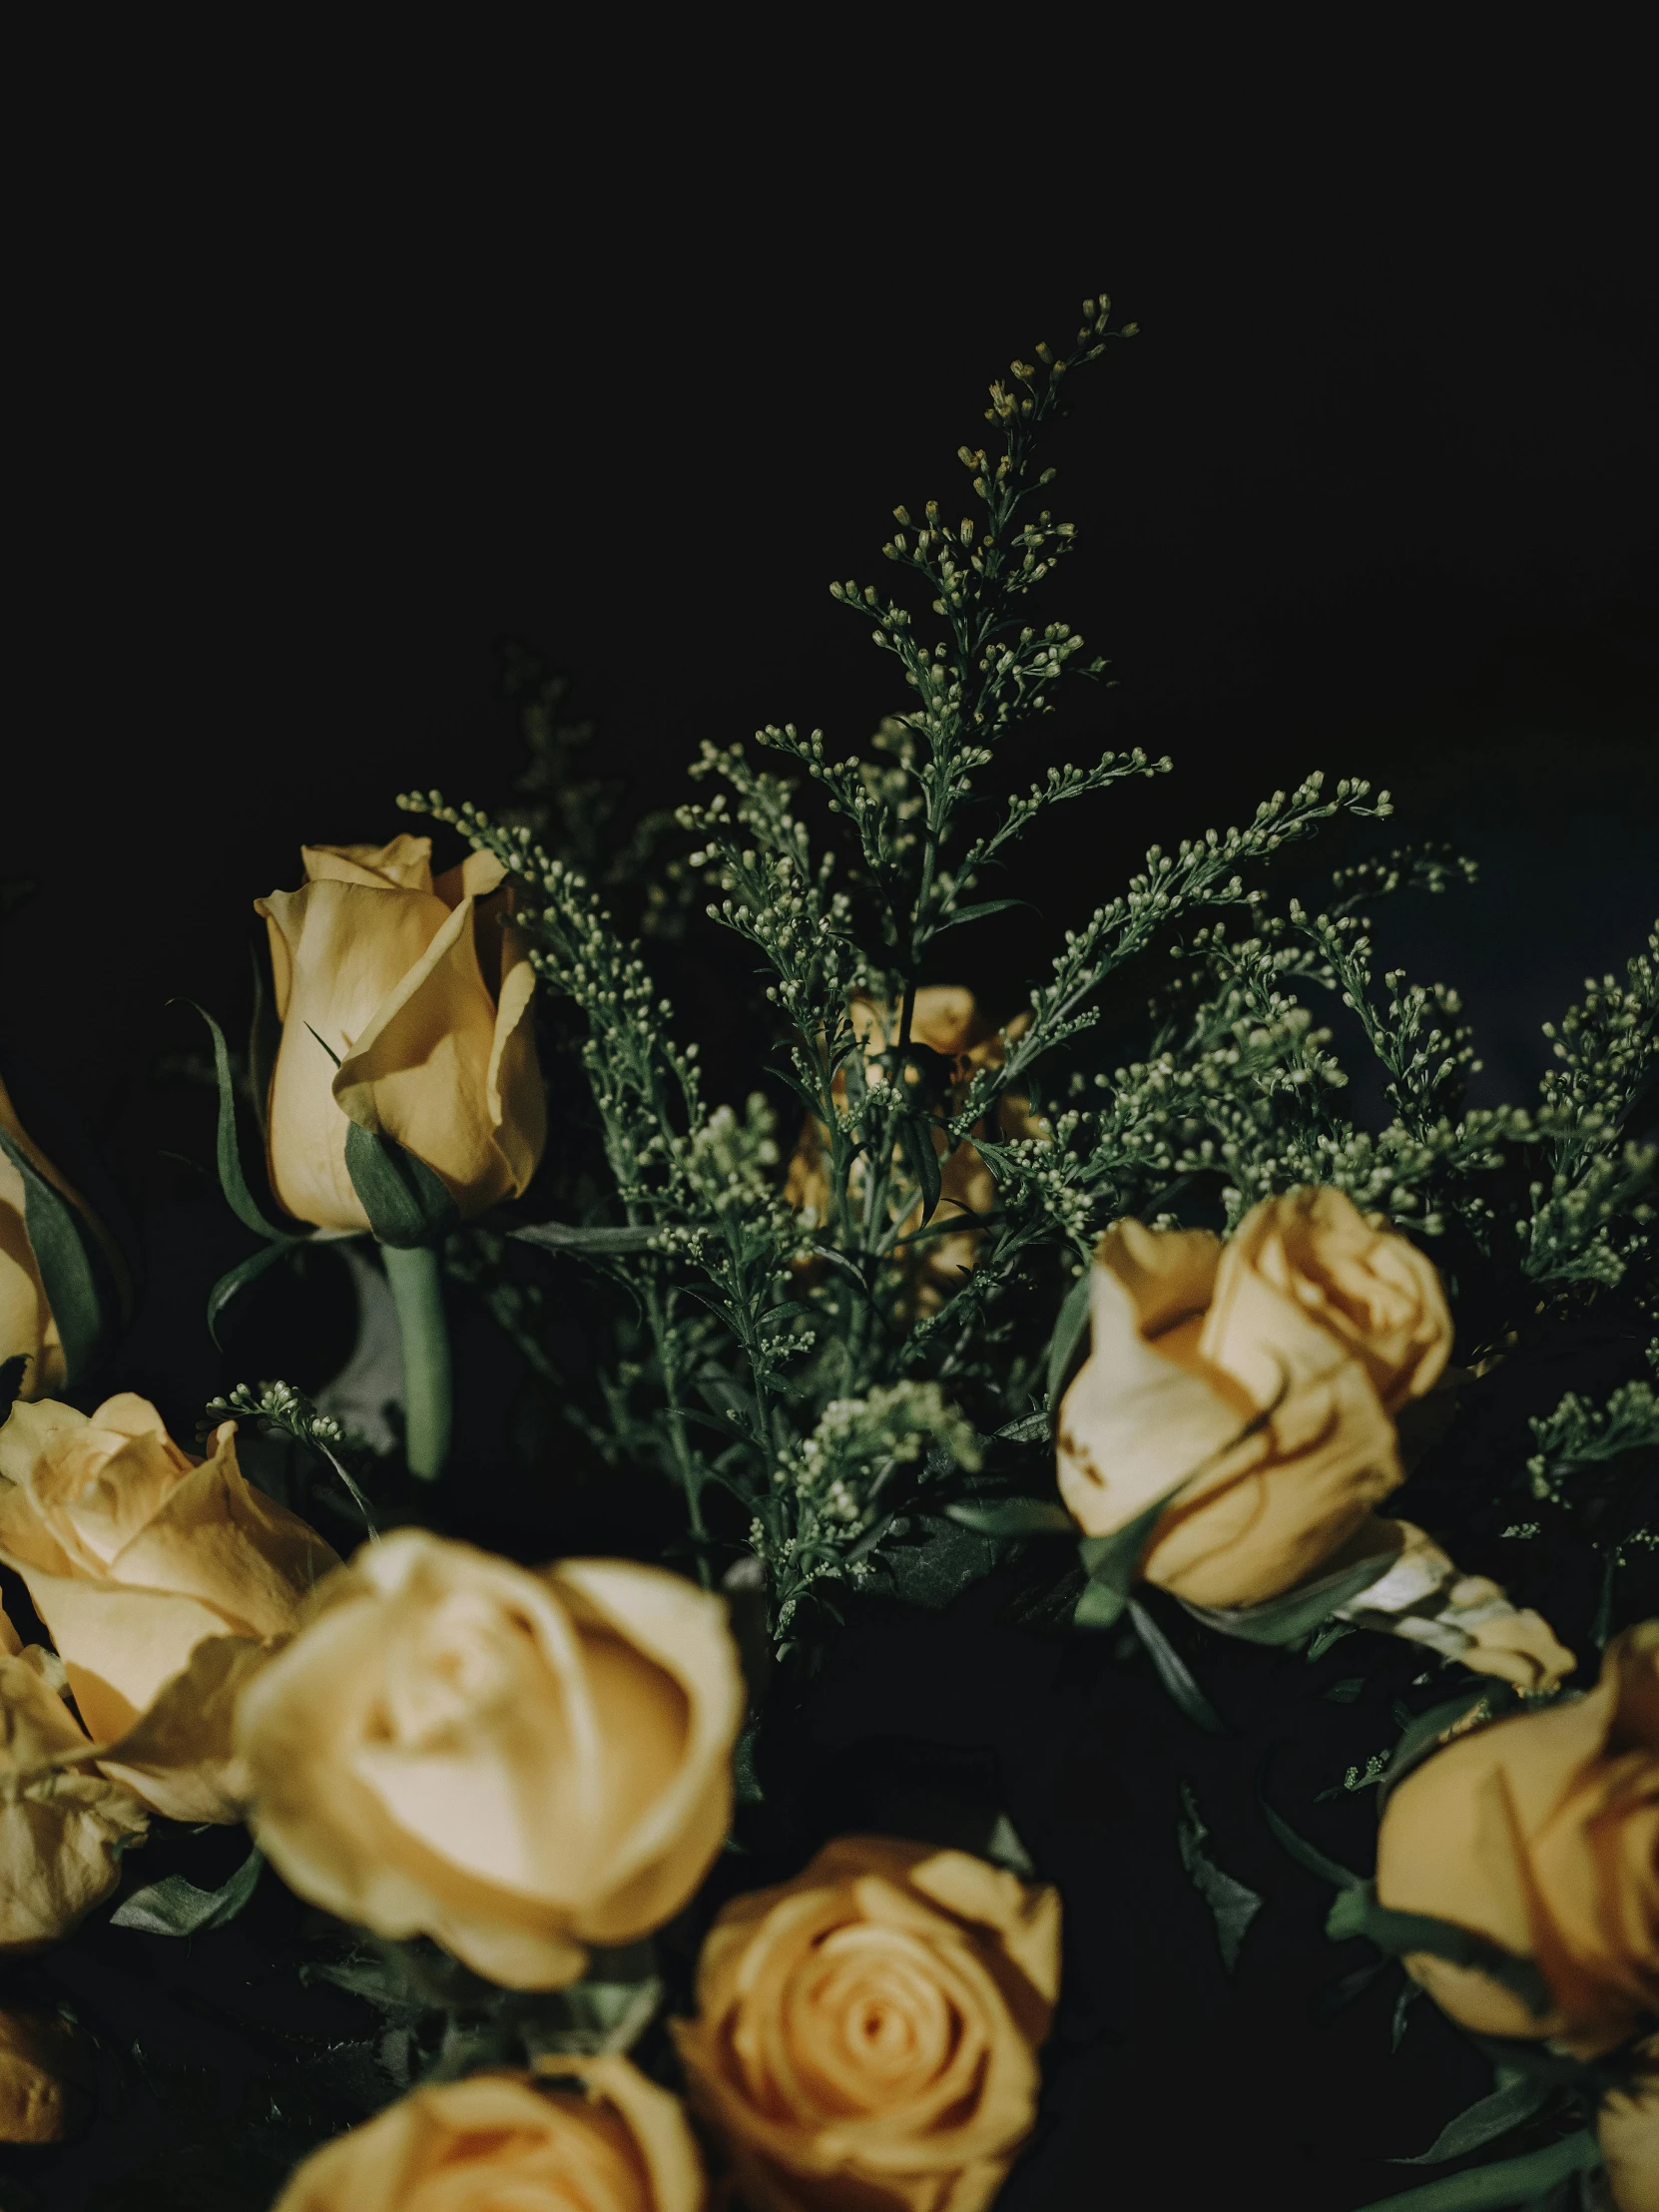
x,y
265,1037
175,1907
1110,1563
407,1202
1357,1912
237,1278
73,1270
565,1236
228,1153
1003,1848
1304,1854
1174,1673
1287,1619
1480,1701
1513,2100
917,1140
1013,1517
1524,2181
979,912
1232,1905
1067,1347
12,1372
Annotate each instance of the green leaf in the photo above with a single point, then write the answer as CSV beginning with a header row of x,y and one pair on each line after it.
x,y
1003,1848
1514,2099
228,1153
608,2011
175,1907
237,1278
1287,1619
1110,1563
407,1202
979,913
932,1573
265,1037
1512,2181
916,1141
73,1272
1064,1355
1174,1673
1030,1428
565,1236
12,1372
1013,1517
1422,1736
1357,1912
1306,1855
1232,1905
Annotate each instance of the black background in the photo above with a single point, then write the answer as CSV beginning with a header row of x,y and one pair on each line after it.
x,y
337,376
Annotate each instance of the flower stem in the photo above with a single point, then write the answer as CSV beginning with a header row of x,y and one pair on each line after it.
x,y
415,1277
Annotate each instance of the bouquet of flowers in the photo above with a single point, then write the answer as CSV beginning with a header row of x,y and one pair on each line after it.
x,y
349,1858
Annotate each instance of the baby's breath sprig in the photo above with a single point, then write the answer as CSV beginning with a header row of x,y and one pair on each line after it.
x,y
1591,1212
279,1405
836,1494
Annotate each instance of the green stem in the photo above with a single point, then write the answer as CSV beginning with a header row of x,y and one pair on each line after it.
x,y
415,1277
684,1462
1512,2181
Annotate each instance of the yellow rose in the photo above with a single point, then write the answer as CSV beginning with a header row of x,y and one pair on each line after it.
x,y
27,1322
45,2079
617,2144
1628,2126
1265,1370
60,1832
867,2034
515,1763
1542,1833
134,1552
947,1020
178,1756
423,991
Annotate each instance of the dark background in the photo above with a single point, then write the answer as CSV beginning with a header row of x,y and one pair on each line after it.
x,y
326,391
333,379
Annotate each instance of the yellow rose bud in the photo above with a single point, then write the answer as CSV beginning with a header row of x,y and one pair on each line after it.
x,y
45,2079
1628,2129
1255,1380
62,1829
517,1764
423,990
616,2143
134,1552
28,1325
1542,1833
867,2034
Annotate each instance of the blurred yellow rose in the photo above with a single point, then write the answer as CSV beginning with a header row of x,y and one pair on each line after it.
x,y
1265,1371
134,1552
947,1020
62,1830
616,2143
1542,1833
27,1322
423,990
45,2079
865,2037
517,1764
1628,2126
